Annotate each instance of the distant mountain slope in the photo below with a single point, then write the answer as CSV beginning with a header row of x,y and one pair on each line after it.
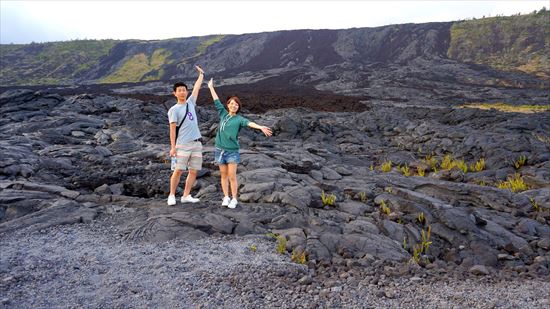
x,y
326,59
51,63
505,43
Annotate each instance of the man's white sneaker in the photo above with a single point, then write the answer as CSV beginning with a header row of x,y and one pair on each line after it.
x,y
171,200
189,199
226,201
233,203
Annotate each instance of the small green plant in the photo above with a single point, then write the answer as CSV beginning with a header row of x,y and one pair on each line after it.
x,y
534,203
423,246
253,248
461,165
481,183
271,235
384,208
389,190
371,167
421,218
386,166
405,170
417,250
478,166
281,244
520,162
514,183
404,243
328,200
299,258
431,161
426,235
447,162
420,171
362,197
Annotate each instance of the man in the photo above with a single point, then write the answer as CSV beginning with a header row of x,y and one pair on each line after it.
x,y
187,148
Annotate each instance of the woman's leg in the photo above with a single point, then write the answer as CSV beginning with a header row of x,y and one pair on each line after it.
x,y
224,179
232,175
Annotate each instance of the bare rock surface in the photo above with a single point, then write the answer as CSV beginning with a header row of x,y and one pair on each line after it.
x,y
92,265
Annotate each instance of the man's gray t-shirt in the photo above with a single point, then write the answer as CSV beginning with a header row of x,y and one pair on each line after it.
x,y
189,130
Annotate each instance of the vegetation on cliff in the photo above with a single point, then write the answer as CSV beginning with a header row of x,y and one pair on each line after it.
x,y
140,67
505,42
50,63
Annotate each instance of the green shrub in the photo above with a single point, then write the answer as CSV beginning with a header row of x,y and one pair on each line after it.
x,y
534,203
431,161
478,166
405,170
449,163
328,200
423,246
520,161
421,218
386,166
514,183
299,258
281,244
362,197
384,208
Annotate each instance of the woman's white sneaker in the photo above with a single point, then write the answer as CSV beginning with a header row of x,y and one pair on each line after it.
x,y
226,201
233,203
189,199
171,200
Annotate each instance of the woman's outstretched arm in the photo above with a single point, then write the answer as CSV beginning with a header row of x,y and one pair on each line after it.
x,y
219,106
264,129
212,90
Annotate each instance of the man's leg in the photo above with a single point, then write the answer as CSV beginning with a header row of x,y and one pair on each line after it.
x,y
174,181
189,182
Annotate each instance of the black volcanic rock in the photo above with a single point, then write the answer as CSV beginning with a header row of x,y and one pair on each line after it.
x,y
67,158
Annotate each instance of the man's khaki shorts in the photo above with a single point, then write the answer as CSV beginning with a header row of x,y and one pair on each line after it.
x,y
189,156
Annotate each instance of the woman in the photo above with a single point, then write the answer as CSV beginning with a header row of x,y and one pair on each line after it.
x,y
227,144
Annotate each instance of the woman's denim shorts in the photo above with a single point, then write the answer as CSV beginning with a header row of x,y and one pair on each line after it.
x,y
225,157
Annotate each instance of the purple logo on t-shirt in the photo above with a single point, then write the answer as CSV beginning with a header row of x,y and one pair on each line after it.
x,y
190,115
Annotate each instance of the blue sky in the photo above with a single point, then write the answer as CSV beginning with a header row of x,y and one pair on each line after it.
x,y
25,21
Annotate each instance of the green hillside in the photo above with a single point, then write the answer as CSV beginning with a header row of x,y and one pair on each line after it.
x,y
105,61
140,67
505,43
50,63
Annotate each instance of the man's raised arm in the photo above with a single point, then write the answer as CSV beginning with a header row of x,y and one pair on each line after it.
x,y
198,83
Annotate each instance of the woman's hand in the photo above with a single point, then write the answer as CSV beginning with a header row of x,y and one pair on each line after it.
x,y
266,131
212,90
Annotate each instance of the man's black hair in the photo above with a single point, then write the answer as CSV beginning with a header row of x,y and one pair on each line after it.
x,y
179,84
